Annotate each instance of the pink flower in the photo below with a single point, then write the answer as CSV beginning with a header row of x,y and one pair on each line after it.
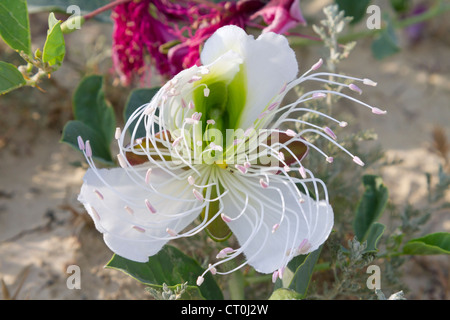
x,y
206,19
172,33
128,47
281,15
137,32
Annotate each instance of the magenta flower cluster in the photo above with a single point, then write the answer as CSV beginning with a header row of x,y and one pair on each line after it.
x,y
168,35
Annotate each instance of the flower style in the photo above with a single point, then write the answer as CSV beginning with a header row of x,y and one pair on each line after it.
x,y
218,155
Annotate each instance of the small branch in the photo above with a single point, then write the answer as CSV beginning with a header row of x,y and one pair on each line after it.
x,y
236,285
104,8
258,279
434,11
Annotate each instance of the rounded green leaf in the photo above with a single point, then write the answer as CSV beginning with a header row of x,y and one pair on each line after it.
x,y
352,8
54,47
401,6
169,266
10,78
285,294
15,25
75,128
302,276
298,273
434,243
386,44
94,119
136,99
91,107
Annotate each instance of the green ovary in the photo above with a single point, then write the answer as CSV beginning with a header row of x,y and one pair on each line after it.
x,y
224,105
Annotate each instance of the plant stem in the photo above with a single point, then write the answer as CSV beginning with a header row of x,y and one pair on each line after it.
x,y
104,8
434,11
258,279
236,285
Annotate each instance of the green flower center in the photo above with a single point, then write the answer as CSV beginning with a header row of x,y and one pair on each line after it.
x,y
224,104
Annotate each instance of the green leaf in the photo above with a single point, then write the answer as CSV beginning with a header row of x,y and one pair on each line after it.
x,y
386,44
297,275
92,110
75,128
434,243
54,47
15,25
285,294
356,9
169,266
136,99
371,206
302,276
91,107
374,235
401,6
10,78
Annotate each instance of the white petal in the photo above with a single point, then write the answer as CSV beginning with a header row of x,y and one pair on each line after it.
x,y
130,229
269,63
223,40
225,67
268,251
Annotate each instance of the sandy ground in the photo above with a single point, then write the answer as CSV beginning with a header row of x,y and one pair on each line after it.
x,y
43,229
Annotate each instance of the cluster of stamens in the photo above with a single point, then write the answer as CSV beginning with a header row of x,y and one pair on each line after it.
x,y
176,143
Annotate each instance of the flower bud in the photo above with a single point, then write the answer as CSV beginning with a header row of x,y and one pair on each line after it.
x,y
72,24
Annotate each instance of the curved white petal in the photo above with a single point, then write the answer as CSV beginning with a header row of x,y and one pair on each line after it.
x,y
227,38
305,226
134,216
225,67
269,63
